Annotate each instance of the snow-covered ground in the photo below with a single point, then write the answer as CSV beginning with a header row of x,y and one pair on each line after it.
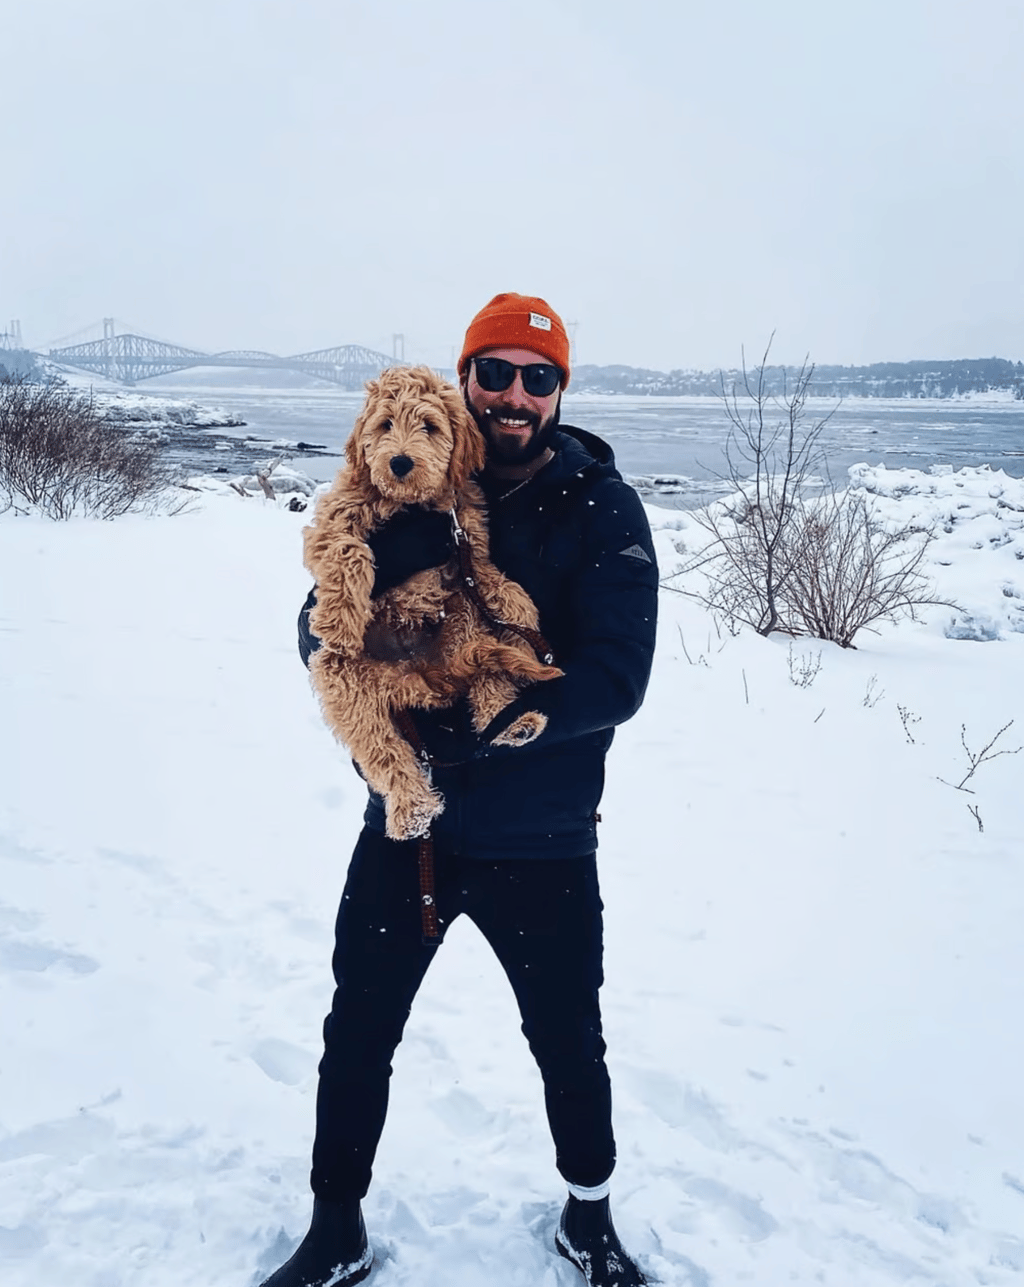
x,y
142,410
815,957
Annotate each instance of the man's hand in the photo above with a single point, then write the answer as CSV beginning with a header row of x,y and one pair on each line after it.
x,y
414,540
448,736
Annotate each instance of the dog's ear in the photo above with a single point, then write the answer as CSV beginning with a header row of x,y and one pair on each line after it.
x,y
467,441
355,447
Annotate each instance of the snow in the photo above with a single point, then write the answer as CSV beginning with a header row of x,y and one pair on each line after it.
x,y
143,411
283,479
814,958
140,409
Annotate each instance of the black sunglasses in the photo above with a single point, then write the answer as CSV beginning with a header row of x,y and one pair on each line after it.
x,y
494,375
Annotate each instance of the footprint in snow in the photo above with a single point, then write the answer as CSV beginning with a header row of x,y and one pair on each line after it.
x,y
282,1061
685,1107
744,1216
454,1205
36,958
13,918
462,1112
70,1139
23,1240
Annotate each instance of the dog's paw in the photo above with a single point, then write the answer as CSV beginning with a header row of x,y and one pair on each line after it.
x,y
522,730
410,817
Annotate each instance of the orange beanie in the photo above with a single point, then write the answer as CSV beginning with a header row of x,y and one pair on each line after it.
x,y
518,322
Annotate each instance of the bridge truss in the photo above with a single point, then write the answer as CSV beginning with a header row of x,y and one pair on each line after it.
x,y
129,358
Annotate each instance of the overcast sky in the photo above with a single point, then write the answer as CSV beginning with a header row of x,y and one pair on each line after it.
x,y
678,177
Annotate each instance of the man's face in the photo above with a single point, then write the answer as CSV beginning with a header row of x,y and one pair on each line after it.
x,y
516,426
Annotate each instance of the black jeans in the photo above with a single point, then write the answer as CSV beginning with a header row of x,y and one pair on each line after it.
x,y
543,920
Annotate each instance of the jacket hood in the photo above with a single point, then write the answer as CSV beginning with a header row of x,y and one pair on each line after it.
x,y
579,453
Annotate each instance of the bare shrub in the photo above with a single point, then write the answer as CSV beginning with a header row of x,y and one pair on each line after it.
x,y
848,570
779,559
770,453
57,454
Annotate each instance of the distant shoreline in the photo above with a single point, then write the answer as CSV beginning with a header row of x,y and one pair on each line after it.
x,y
953,378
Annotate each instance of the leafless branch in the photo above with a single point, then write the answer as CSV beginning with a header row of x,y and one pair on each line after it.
x,y
907,719
977,759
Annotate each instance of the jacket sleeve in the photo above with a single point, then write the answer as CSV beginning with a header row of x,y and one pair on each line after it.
x,y
308,641
614,605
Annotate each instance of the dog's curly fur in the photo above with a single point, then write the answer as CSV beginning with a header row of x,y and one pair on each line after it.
x,y
423,643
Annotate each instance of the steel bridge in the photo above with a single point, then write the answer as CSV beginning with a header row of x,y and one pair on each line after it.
x,y
128,358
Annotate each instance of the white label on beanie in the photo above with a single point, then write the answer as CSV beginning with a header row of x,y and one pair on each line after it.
x,y
541,322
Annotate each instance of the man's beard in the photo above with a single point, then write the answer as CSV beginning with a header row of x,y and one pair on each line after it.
x,y
515,452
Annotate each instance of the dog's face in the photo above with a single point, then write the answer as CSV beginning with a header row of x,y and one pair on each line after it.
x,y
414,440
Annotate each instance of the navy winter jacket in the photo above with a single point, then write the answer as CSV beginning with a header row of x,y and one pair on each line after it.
x,y
576,538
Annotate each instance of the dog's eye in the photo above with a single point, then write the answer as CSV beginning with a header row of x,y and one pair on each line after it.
x,y
385,426
427,427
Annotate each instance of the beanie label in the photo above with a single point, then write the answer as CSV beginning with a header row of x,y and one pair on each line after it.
x,y
541,322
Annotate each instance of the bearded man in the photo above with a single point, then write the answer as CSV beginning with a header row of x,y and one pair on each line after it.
x,y
515,846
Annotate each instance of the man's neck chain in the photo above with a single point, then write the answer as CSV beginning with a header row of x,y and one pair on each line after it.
x,y
512,490
528,479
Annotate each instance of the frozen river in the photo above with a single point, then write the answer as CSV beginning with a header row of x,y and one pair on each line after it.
x,y
666,438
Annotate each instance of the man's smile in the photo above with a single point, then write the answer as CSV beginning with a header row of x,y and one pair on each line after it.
x,y
512,422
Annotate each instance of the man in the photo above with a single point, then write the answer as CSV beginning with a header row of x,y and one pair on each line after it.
x,y
515,846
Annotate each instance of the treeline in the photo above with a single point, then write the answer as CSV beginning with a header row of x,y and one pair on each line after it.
x,y
880,380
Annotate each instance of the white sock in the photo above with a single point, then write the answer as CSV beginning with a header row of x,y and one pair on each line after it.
x,y
595,1194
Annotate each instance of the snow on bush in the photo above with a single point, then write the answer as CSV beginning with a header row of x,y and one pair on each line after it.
x,y
60,457
976,557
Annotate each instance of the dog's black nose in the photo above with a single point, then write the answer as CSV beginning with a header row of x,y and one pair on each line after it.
x,y
400,465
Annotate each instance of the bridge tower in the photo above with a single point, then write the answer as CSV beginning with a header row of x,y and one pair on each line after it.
x,y
398,348
109,345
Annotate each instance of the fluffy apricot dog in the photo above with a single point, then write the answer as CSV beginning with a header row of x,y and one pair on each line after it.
x,y
425,642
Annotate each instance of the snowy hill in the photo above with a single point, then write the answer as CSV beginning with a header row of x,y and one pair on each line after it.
x,y
815,966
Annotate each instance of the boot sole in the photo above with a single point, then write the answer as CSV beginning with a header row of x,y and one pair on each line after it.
x,y
354,1273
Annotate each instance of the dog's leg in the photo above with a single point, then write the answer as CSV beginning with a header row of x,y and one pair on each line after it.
x,y
392,769
505,599
358,700
515,659
343,568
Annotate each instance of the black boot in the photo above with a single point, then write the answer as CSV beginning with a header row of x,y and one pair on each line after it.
x,y
587,1237
335,1252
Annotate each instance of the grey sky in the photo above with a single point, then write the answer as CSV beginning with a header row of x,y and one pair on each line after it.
x,y
677,178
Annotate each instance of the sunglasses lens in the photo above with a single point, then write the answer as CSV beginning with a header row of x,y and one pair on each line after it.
x,y
494,374
541,379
